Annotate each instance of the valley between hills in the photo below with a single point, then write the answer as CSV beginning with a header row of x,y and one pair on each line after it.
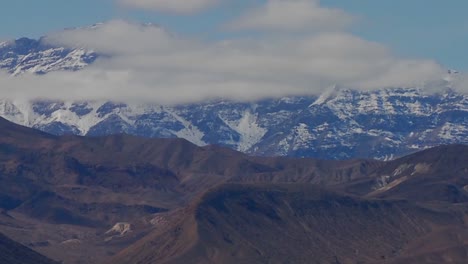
x,y
125,199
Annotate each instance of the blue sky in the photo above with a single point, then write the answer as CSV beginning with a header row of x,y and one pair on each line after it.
x,y
242,49
431,29
422,28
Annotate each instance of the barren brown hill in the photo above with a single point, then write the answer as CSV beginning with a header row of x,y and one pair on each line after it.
x,y
301,224
439,174
62,195
84,200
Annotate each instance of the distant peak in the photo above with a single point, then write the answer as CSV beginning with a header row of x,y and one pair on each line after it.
x,y
93,26
326,95
24,40
451,76
5,43
99,25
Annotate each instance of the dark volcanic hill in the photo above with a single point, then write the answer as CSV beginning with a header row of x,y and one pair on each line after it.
x,y
126,199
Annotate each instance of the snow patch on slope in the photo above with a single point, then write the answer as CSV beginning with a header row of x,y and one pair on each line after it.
x,y
325,96
120,228
451,131
190,132
302,136
248,128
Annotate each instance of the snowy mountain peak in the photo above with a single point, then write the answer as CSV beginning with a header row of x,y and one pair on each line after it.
x,y
4,44
338,124
34,56
377,124
326,95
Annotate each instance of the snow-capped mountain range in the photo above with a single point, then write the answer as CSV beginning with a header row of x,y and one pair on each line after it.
x,y
35,56
339,124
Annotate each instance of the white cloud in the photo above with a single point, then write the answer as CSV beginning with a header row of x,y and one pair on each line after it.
x,y
173,6
292,15
116,37
149,64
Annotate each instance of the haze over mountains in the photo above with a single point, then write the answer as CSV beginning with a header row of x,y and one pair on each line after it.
x,y
121,199
338,124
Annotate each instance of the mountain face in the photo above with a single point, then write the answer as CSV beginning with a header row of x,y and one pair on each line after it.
x,y
127,199
82,199
35,56
12,252
339,124
415,215
300,224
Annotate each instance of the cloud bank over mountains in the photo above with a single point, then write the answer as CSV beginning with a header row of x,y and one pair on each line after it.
x,y
303,49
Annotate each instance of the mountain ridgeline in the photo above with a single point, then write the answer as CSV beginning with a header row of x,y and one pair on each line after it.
x,y
339,124
125,199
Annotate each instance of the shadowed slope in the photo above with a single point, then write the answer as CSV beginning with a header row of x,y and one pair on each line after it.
x,y
288,224
82,200
439,174
12,252
92,184
11,132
